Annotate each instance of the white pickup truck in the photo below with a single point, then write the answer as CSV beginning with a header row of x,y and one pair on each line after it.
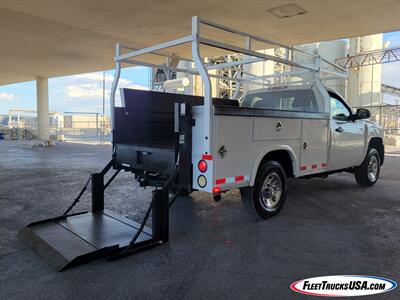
x,y
291,131
255,142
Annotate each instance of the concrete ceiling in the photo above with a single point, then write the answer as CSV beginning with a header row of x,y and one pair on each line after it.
x,y
61,37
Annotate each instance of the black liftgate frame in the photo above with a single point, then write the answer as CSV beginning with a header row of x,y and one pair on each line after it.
x,y
159,207
74,239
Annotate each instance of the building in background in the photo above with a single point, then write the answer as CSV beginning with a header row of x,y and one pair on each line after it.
x,y
84,121
363,86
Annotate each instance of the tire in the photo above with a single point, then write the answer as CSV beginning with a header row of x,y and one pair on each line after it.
x,y
267,206
367,173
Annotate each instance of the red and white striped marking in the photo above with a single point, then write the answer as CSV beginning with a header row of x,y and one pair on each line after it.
x,y
235,179
313,166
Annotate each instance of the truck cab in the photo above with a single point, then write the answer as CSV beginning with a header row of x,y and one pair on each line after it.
x,y
352,134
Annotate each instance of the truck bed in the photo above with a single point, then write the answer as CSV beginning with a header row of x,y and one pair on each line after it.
x,y
144,137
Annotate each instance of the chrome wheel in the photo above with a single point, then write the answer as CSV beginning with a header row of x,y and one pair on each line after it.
x,y
271,192
373,168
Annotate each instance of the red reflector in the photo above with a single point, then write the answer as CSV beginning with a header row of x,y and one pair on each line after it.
x,y
239,178
303,168
216,190
202,166
220,181
207,157
314,166
324,165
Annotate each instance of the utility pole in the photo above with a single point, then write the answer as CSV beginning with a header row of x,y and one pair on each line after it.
x,y
1,103
104,93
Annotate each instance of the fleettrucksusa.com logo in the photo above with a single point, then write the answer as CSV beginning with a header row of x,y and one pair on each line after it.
x,y
343,286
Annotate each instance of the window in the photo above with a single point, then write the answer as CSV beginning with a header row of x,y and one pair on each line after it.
x,y
338,110
291,100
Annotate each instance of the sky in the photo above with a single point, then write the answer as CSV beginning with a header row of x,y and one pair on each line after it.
x,y
84,92
77,93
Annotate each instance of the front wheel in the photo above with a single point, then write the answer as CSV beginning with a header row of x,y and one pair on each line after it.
x,y
367,173
268,195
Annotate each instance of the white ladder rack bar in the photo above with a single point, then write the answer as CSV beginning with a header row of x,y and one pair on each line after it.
x,y
193,71
334,73
294,73
221,45
167,55
332,64
152,49
232,64
253,37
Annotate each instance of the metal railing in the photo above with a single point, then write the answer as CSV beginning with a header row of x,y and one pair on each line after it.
x,y
91,132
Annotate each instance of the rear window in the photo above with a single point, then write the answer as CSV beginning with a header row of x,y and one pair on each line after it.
x,y
291,100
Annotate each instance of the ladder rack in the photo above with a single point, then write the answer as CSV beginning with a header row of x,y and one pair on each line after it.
x,y
319,68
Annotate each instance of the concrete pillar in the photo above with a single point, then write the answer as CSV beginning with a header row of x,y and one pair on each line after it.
x,y
42,100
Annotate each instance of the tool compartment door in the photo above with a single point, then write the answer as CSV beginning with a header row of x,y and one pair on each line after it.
x,y
232,148
314,146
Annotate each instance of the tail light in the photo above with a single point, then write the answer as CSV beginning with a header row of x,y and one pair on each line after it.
x,y
202,165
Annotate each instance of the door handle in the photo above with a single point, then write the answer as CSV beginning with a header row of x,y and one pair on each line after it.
x,y
339,129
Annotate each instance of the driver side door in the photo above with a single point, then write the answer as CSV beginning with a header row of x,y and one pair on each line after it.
x,y
347,136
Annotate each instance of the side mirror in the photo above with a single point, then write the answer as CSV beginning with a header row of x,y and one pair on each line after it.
x,y
362,113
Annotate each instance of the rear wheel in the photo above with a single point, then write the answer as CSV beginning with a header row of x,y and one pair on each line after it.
x,y
367,173
268,195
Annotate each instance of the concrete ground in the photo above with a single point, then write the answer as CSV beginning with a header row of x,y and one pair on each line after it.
x,y
217,250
